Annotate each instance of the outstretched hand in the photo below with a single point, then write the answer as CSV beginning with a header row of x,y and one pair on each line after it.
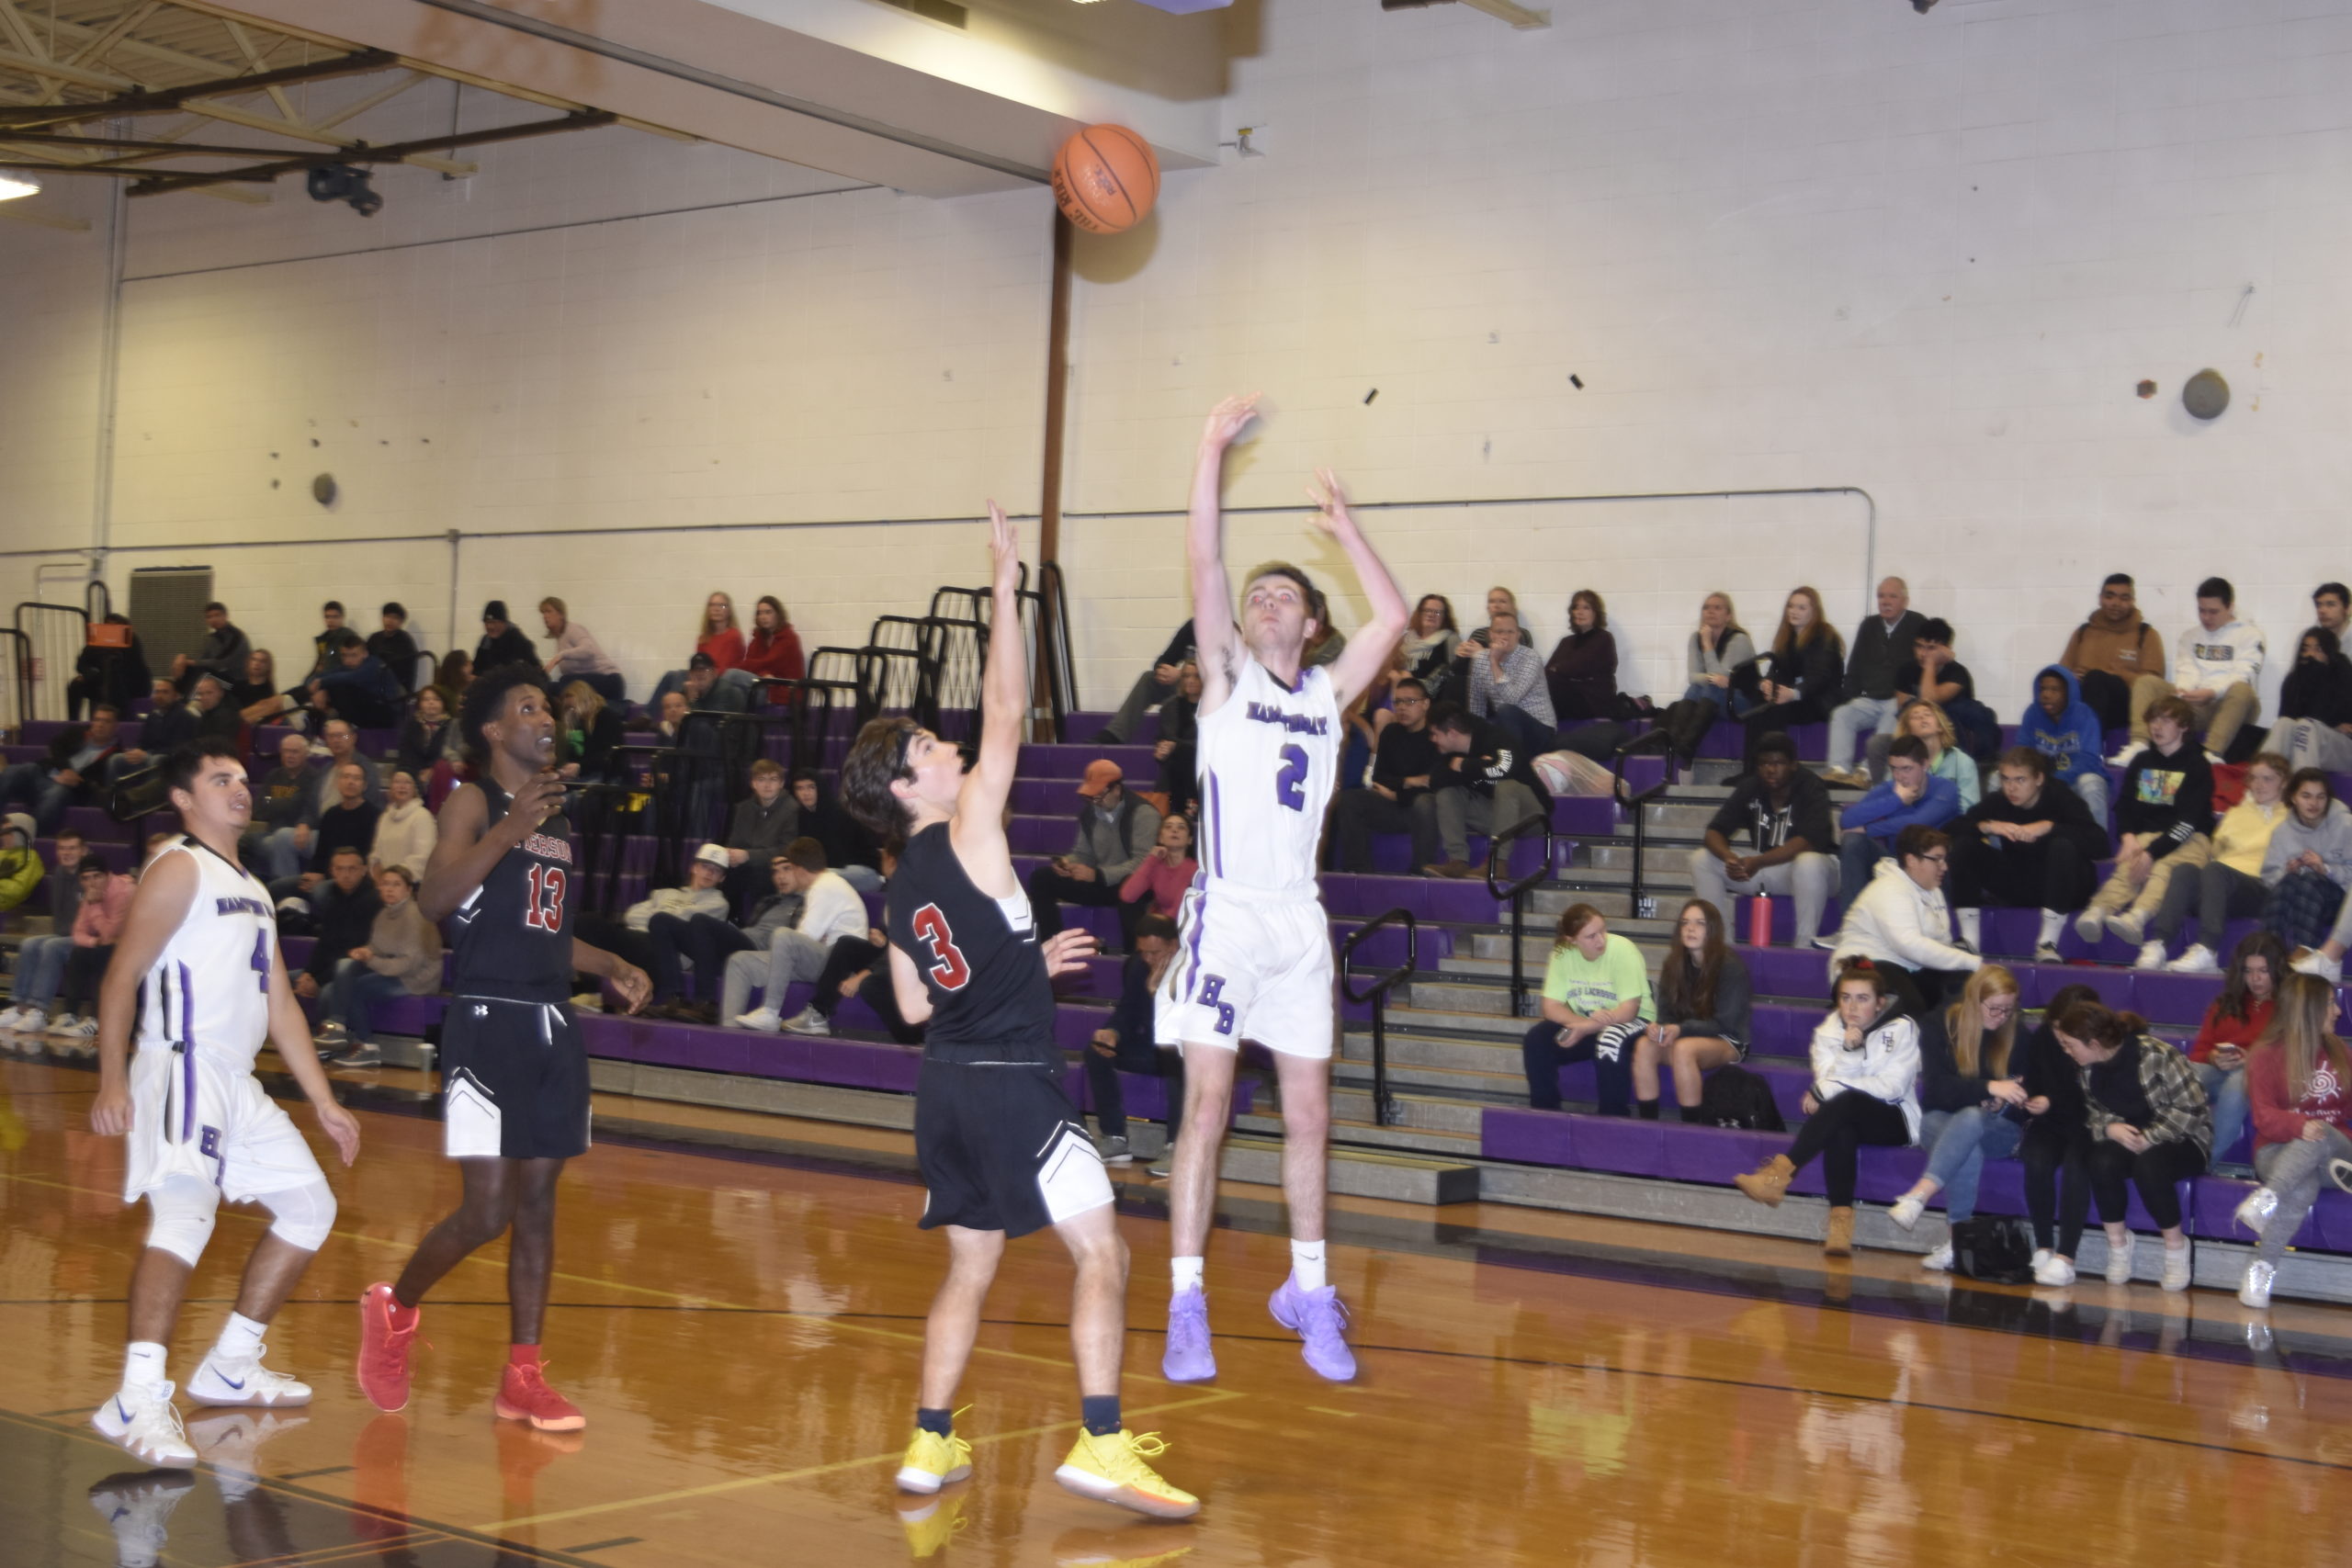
x,y
1332,513
1229,420
1067,949
1004,547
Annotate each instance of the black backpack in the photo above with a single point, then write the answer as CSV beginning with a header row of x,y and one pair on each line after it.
x,y
1734,1097
1995,1249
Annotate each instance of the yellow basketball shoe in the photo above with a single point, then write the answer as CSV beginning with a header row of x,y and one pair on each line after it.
x,y
1113,1470
933,1462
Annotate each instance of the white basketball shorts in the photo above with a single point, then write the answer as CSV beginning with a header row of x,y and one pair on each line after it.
x,y
1249,967
194,1114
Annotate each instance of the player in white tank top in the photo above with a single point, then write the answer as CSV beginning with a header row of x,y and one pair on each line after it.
x,y
1255,956
201,940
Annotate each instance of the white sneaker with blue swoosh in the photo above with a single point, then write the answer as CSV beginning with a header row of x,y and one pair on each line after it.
x,y
150,1430
247,1382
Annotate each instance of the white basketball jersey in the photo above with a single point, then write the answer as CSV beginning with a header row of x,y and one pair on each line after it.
x,y
208,990
1269,759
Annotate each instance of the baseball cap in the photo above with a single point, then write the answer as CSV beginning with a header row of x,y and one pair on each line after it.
x,y
21,825
1100,774
713,854
702,662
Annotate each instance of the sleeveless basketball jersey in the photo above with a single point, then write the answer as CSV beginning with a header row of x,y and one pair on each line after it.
x,y
208,990
1269,760
978,956
514,932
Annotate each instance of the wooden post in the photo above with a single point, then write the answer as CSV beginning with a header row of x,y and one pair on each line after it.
x,y
1049,504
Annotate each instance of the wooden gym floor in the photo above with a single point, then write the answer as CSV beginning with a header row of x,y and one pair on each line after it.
x,y
739,1310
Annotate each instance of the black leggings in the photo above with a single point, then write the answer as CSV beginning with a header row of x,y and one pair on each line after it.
x,y
2154,1171
1837,1132
2049,1148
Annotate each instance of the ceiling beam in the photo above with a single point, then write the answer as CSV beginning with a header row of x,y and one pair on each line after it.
x,y
167,98
161,182
232,115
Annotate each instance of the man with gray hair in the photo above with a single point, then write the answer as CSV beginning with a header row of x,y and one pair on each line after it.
x,y
1881,645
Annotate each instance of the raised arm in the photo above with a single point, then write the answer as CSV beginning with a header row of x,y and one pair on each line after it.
x,y
1368,652
1214,636
1004,701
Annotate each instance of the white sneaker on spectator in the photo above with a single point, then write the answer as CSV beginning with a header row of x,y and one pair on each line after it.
x,y
2049,1268
2197,960
2129,926
808,1020
330,1035
13,1019
2176,1268
83,1029
2314,962
2255,1210
2047,953
2119,1261
766,1019
63,1025
2151,956
1906,1210
2256,1292
2340,1172
2123,759
2090,925
1939,1259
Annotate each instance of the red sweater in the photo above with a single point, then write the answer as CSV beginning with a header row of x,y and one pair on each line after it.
x,y
726,649
776,657
2278,1120
2241,1032
1165,883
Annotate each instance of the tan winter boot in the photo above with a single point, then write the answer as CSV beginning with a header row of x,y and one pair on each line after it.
x,y
1839,1242
1769,1182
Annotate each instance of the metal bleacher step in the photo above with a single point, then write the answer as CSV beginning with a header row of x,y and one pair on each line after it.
x,y
1481,1082
1352,1129
1398,1174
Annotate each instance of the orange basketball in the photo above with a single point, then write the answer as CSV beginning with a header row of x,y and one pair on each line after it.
x,y
1105,178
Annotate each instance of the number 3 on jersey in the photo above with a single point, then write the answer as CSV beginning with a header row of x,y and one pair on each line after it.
x,y
545,911
1290,784
947,968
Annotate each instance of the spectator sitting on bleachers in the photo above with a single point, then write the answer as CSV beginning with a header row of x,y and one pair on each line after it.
x,y
1483,781
2057,1142
171,718
2234,1023
1128,1043
1361,722
1718,646
850,850
2329,600
720,640
424,750
1506,687
256,696
2315,727
1881,645
394,646
2109,652
503,642
1158,884
2061,725
1403,764
774,652
401,958
205,712
706,942
356,687
578,655
2308,866
858,967
1934,675
1178,749
2299,1087
2229,882
454,673
223,653
764,822
1796,680
349,824
1973,1107
40,960
325,640
341,741
20,866
69,776
1581,674
1947,757
405,830
97,925
1784,811
2218,671
631,935
830,910
1596,1003
275,843
706,688
1912,793
2163,821
2027,845
1116,829
1901,925
2149,1128
1865,1091
593,735
1326,642
342,917
1706,1013
1500,601
1430,642
104,674
1155,685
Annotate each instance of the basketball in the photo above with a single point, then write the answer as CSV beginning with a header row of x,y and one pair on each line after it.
x,y
1105,178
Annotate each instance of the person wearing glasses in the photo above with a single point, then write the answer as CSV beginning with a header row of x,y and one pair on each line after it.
x,y
1402,761
1902,926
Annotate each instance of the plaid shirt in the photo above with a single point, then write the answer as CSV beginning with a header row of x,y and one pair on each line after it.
x,y
2177,1111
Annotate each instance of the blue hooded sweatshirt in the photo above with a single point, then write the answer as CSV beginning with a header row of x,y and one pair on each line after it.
x,y
2075,740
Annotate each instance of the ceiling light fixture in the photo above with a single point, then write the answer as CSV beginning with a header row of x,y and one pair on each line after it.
x,y
15,185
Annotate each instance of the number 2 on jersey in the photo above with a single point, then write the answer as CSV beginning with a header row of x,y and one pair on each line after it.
x,y
545,912
948,968
1290,785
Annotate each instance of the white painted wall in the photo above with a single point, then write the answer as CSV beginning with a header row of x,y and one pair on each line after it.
x,y
1783,243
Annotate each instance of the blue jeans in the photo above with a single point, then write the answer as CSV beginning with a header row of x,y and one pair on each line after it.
x,y
1958,1145
353,996
2225,1087
1858,858
40,965
1723,697
864,878
1850,717
30,783
1526,728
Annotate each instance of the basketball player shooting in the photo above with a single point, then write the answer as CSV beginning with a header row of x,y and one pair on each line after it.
x,y
1000,1148
199,948
1254,956
514,1101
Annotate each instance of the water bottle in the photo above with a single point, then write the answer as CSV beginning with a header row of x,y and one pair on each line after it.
x,y
1759,920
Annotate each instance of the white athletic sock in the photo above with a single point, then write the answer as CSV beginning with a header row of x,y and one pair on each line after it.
x,y
1306,1264
241,1340
142,1367
1972,927
2051,920
1184,1274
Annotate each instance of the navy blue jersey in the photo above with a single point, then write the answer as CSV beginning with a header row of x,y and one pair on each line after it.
x,y
514,934
978,956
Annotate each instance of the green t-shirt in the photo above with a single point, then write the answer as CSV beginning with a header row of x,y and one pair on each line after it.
x,y
1589,987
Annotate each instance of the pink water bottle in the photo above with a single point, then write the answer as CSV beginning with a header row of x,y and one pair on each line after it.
x,y
1759,920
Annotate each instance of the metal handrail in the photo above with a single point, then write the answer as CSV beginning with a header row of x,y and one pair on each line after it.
x,y
1641,745
1497,851
1384,1105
